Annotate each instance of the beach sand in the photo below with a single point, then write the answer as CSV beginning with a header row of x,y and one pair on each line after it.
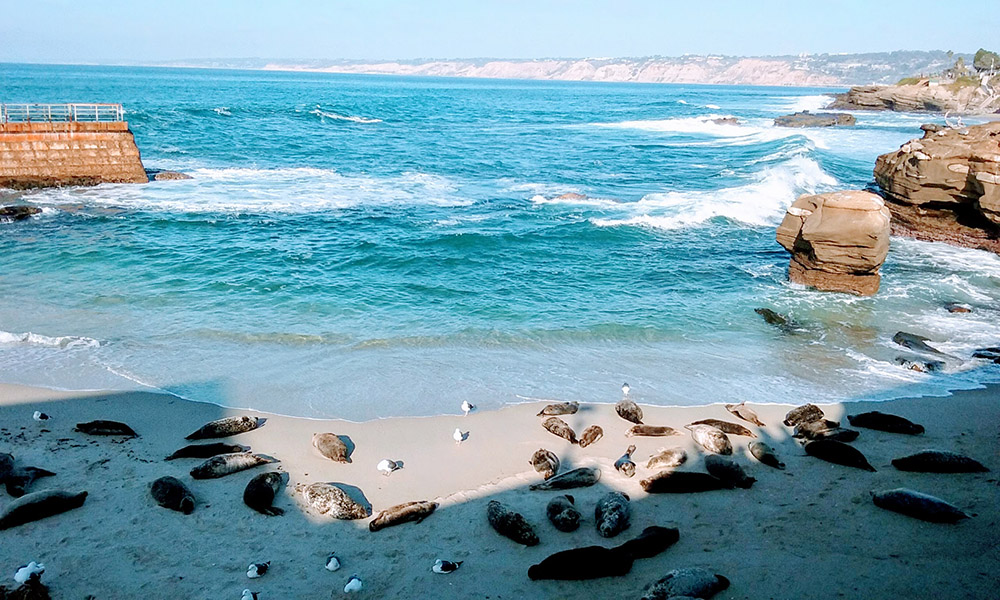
x,y
810,531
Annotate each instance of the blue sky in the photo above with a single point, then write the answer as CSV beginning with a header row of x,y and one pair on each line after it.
x,y
138,30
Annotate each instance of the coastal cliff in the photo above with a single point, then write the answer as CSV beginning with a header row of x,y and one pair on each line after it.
x,y
923,96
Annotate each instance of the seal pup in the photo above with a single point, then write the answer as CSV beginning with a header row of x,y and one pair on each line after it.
x,y
102,427
765,454
727,427
651,431
624,465
459,436
938,461
728,471
261,491
170,492
803,414
582,477
39,505
467,407
255,570
578,564
444,567
557,426
332,563
613,514
20,479
30,572
403,513
681,482
820,430
591,435
353,585
562,513
386,466
327,499
510,524
710,439
207,450
667,458
545,462
331,446
838,453
40,416
652,541
743,412
885,422
629,410
225,427
919,506
561,408
227,464
694,582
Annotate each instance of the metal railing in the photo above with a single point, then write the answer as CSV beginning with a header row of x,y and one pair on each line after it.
x,y
61,113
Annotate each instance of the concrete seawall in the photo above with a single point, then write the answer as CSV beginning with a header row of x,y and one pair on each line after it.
x,y
43,154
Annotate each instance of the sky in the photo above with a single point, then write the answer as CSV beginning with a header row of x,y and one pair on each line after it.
x,y
130,31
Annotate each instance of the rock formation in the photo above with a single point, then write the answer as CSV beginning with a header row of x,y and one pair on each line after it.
x,y
944,186
837,240
923,96
12,213
808,119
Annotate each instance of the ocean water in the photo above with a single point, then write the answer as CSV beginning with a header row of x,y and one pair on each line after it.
x,y
368,246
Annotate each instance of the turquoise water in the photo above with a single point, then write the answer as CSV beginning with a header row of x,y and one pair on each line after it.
x,y
367,246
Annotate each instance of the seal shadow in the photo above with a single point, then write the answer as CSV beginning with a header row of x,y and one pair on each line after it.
x,y
354,493
350,446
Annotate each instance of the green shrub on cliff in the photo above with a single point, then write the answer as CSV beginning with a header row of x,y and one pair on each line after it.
x,y
986,60
963,82
908,81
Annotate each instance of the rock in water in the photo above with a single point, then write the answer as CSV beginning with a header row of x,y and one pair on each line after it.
x,y
170,492
227,464
102,427
727,427
402,513
327,499
11,213
728,471
745,413
561,428
562,513
579,564
629,411
545,462
225,427
765,454
681,482
807,413
39,505
582,477
693,582
838,453
510,524
561,408
919,506
591,435
938,461
885,422
613,514
711,439
652,541
807,119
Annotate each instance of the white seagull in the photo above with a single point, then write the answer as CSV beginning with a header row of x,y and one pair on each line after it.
x,y
255,570
29,572
353,585
332,563
625,388
248,595
467,407
40,416
445,566
459,436
388,466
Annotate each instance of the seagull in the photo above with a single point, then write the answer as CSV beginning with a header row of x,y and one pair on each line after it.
x,y
444,566
255,570
248,595
332,563
388,466
625,388
467,407
29,572
40,416
353,585
459,437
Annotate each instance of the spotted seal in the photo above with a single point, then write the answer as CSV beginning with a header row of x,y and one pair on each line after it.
x,y
742,411
582,477
803,414
19,479
510,524
561,408
562,513
624,465
207,450
227,464
710,439
651,431
331,446
103,427
727,427
919,506
838,453
591,435
545,462
327,499
261,491
402,513
821,430
652,541
613,514
885,422
579,564
225,427
170,492
629,410
695,582
667,458
728,471
39,505
561,428
681,482
938,461
765,454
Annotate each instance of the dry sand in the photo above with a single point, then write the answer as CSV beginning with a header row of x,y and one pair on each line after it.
x,y
810,531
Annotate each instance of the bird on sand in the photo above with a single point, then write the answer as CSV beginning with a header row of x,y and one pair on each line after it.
x,y
467,407
353,585
445,566
459,436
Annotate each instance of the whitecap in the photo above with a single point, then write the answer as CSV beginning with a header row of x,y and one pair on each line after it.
x,y
810,103
222,111
35,339
713,106
322,114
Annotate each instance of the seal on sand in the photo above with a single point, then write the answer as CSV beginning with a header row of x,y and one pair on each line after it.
x,y
726,427
591,435
562,513
510,524
170,492
20,479
327,499
652,541
545,462
582,477
629,410
613,514
667,458
577,564
919,506
821,430
402,513
803,414
651,431
559,427
694,582
938,461
225,427
102,427
39,505
331,446
728,471
885,422
765,454
227,464
261,491
838,453
624,465
207,450
561,408
681,482
710,439
741,411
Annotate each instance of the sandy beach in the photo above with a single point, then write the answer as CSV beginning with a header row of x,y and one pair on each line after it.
x,y
810,531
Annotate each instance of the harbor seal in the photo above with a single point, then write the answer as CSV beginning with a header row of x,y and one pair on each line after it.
x,y
207,450
613,514
624,465
579,564
331,446
919,506
681,482
562,513
20,479
803,414
765,454
227,464
102,427
582,477
545,462
652,541
651,431
728,472
727,427
170,492
747,414
938,461
667,458
6,465
710,439
694,582
591,435
402,513
510,524
39,505
557,426
885,422
838,453
327,499
820,430
261,491
629,410
225,427
561,408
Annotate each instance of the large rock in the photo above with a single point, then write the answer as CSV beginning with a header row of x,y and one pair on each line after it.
x,y
838,241
923,96
946,186
17,213
808,119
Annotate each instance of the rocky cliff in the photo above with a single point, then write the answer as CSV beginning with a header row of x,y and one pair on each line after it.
x,y
964,97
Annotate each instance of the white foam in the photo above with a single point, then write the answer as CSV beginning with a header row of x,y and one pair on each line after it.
x,y
35,339
322,114
577,201
700,125
712,106
810,103
222,111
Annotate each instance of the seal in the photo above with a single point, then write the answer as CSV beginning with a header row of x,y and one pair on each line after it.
x,y
582,477
39,505
681,482
727,427
695,582
102,427
803,414
328,499
710,439
652,541
545,462
562,513
624,465
765,454
561,408
225,427
820,430
207,450
742,411
919,506
838,453
20,479
331,446
591,435
938,461
6,465
510,524
579,564
227,464
613,514
557,426
629,411
885,422
728,471
667,458
170,492
402,513
651,431
261,491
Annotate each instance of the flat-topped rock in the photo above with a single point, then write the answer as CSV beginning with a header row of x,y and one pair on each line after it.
x,y
808,119
9,214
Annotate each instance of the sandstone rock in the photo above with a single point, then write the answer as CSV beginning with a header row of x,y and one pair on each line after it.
x,y
918,97
837,240
808,119
726,121
9,214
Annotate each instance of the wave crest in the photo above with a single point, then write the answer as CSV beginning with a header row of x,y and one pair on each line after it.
x,y
36,339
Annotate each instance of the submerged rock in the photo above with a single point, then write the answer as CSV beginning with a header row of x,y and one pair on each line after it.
x,y
808,119
158,175
9,214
